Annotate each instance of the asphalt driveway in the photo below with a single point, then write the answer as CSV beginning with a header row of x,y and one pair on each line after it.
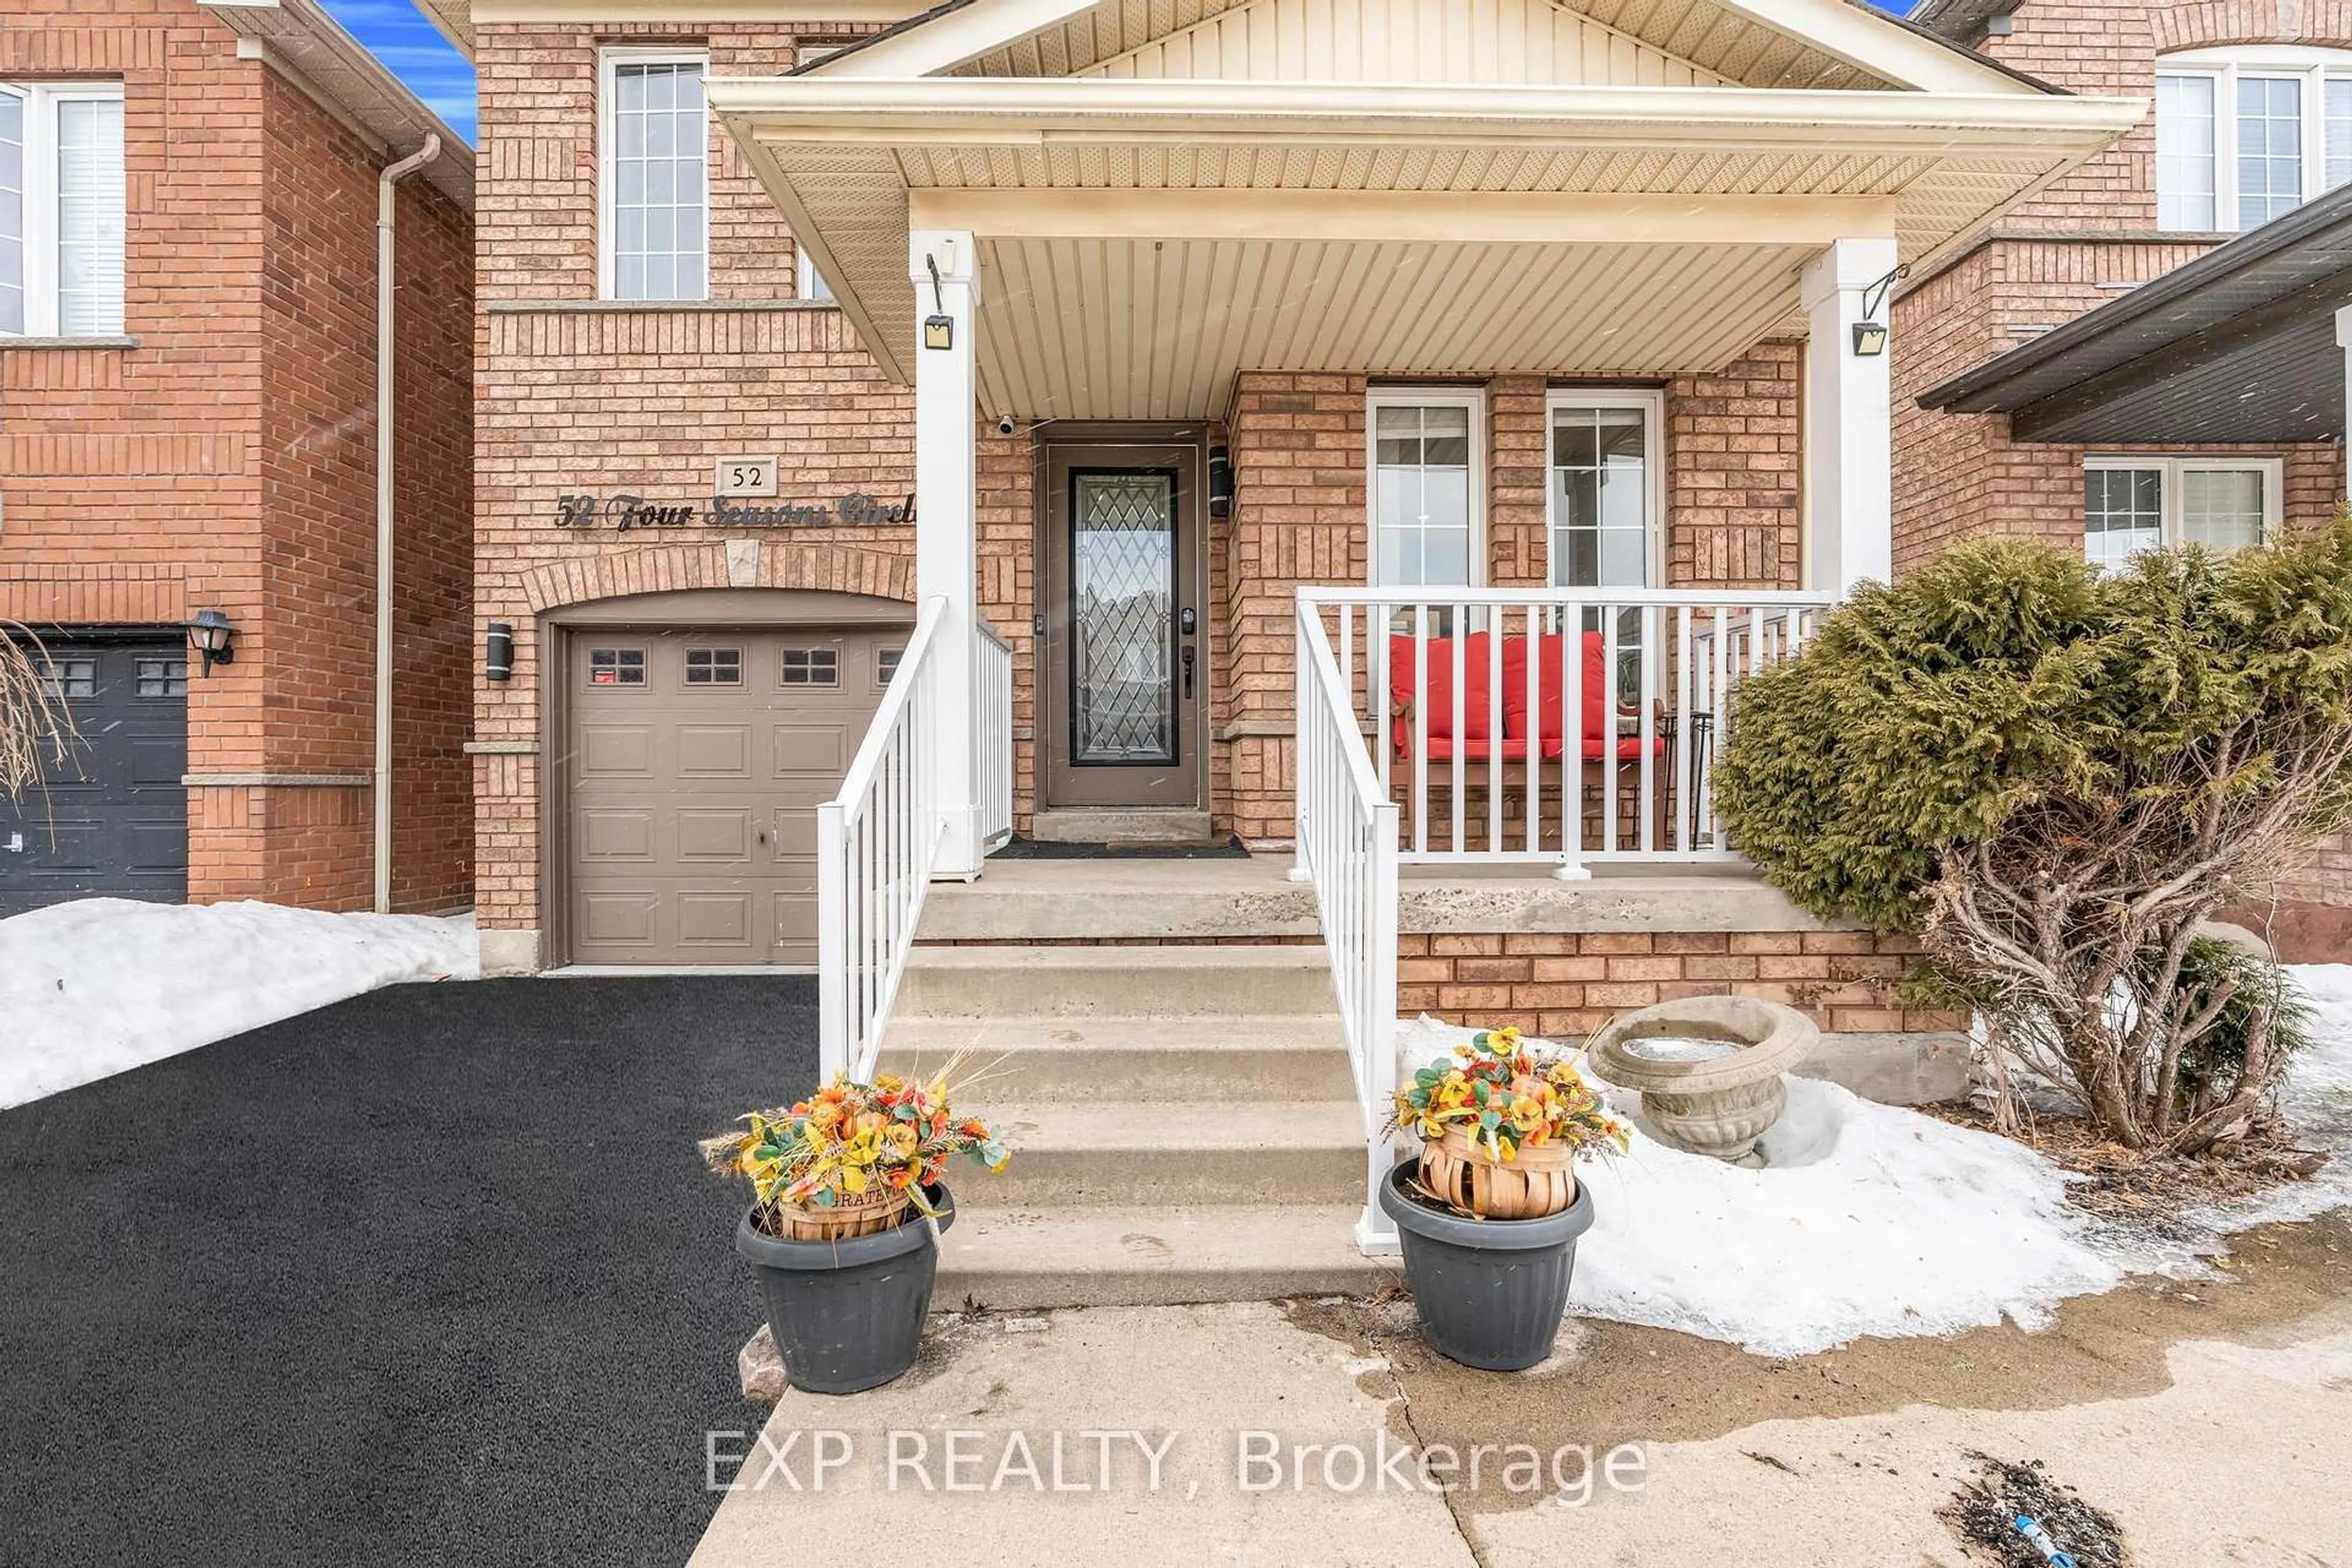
x,y
434,1276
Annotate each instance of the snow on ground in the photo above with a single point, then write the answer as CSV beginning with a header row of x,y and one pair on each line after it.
x,y
100,985
1874,1220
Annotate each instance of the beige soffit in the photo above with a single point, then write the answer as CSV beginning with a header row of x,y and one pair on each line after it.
x,y
1818,44
300,40
1211,223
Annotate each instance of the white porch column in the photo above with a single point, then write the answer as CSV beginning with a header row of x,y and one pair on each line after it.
x,y
1849,408
946,482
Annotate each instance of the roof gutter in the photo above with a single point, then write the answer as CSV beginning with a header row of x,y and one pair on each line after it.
x,y
385,387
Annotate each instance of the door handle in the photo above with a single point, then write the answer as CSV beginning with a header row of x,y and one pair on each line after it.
x,y
1187,671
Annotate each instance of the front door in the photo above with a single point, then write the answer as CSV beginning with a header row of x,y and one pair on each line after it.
x,y
1125,687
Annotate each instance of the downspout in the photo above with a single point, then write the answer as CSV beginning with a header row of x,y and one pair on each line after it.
x,y
383,477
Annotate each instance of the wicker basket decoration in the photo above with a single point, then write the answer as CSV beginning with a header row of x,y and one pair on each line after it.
x,y
872,1210
1534,1182
1500,1124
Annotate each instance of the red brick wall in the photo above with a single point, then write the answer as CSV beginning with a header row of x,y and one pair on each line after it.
x,y
1565,985
227,460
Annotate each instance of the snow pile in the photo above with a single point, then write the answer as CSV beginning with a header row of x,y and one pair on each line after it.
x,y
1872,1220
100,985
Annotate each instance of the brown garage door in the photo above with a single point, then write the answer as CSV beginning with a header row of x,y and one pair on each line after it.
x,y
695,763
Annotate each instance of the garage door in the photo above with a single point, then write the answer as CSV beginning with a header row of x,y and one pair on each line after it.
x,y
696,763
114,819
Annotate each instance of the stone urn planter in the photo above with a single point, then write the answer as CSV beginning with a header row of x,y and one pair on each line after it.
x,y
1708,1068
847,1311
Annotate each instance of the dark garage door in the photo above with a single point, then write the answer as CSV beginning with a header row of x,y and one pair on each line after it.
x,y
114,819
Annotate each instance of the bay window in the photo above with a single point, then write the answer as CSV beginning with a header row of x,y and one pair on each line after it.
x,y
2244,135
61,210
2136,503
655,217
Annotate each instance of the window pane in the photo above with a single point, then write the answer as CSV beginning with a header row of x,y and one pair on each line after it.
x,y
12,213
2122,513
90,217
1600,521
659,212
2270,148
2336,108
2222,509
1421,494
2184,151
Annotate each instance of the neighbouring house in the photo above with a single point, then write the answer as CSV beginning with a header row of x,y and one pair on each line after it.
x,y
189,425
2089,369
915,445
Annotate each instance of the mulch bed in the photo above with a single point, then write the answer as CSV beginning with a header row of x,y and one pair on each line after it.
x,y
1983,1513
2124,1183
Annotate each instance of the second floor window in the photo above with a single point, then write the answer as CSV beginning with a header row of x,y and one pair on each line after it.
x,y
2244,135
656,212
61,210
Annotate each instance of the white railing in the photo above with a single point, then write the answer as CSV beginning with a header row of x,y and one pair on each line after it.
x,y
1503,775
876,842
1347,845
992,736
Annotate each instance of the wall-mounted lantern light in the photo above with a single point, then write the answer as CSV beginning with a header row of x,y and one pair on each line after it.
x,y
1870,339
498,655
1870,333
1220,481
212,638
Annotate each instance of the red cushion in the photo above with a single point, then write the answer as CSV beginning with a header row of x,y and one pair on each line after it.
x,y
1477,683
1551,691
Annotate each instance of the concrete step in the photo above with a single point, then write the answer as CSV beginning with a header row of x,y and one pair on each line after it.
x,y
1115,981
1021,1259
1095,1058
1097,900
1129,1153
1120,826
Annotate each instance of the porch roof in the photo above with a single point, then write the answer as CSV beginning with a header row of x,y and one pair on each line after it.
x,y
1142,241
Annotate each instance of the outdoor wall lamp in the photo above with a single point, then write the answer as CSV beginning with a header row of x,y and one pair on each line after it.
x,y
213,638
497,654
1869,333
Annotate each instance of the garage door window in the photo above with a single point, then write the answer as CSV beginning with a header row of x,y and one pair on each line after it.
x,y
72,676
616,666
811,666
714,666
163,677
885,664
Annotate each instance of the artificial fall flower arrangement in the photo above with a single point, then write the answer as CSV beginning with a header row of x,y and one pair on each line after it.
x,y
1517,1117
870,1147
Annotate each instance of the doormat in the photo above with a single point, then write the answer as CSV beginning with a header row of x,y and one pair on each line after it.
x,y
1019,848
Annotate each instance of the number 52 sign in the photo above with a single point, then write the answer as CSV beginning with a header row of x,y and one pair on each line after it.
x,y
745,477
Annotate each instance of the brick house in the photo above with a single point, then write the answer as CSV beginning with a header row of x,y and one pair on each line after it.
x,y
914,445
188,424
2249,116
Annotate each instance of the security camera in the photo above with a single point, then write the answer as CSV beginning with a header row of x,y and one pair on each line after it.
x,y
1004,423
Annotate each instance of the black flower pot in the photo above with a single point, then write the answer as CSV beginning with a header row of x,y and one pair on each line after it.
x,y
1490,1292
847,1314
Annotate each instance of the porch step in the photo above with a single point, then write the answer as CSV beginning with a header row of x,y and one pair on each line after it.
x,y
1176,982
1102,900
1120,826
1171,1154
1024,1059
1024,1258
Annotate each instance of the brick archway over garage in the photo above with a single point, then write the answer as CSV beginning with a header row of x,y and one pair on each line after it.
x,y
721,563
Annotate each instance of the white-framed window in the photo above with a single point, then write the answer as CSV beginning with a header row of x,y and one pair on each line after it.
x,y
1426,483
653,213
2136,503
1607,491
62,209
2245,135
808,282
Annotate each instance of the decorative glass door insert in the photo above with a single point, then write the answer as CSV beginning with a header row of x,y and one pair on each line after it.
x,y
1122,608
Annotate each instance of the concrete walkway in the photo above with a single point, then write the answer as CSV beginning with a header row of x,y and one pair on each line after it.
x,y
2209,1420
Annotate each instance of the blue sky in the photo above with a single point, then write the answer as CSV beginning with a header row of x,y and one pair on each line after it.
x,y
415,48
416,52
